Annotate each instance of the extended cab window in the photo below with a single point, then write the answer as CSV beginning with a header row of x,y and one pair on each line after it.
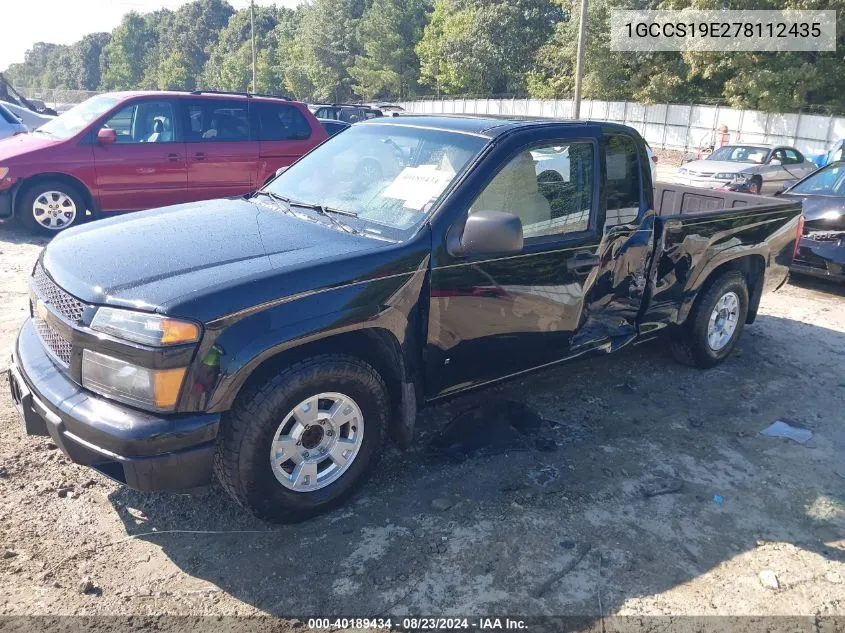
x,y
277,122
217,120
144,122
550,188
623,180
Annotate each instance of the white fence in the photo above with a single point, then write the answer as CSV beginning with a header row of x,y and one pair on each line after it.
x,y
667,126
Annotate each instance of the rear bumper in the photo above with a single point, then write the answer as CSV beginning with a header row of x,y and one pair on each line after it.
x,y
141,450
824,259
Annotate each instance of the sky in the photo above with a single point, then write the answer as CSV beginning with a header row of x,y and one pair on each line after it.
x,y
26,22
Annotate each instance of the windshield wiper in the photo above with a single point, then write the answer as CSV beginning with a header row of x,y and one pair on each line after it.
x,y
327,211
280,202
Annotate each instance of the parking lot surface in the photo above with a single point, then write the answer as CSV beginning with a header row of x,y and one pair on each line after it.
x,y
628,485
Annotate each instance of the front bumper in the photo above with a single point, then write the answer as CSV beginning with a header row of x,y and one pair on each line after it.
x,y
145,451
824,259
704,183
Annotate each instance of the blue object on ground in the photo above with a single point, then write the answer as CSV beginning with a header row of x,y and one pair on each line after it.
x,y
779,428
718,499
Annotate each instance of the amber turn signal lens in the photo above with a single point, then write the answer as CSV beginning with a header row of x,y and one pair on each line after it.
x,y
166,386
173,331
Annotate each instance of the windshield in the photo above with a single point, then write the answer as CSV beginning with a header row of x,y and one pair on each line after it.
x,y
78,117
389,176
829,181
740,154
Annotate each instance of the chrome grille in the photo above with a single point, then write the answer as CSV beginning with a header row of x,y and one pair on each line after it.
x,y
53,341
66,305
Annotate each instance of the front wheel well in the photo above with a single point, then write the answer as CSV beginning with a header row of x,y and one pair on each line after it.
x,y
753,268
375,346
29,183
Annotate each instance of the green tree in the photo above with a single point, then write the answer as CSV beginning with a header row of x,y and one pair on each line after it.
x,y
123,59
326,48
184,43
388,32
229,65
484,47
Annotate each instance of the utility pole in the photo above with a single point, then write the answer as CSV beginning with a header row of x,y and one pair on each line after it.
x,y
252,25
579,63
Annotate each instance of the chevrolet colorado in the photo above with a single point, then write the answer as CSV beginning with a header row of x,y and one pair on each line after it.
x,y
278,339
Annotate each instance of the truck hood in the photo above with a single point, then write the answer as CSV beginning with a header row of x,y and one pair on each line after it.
x,y
23,144
200,260
717,166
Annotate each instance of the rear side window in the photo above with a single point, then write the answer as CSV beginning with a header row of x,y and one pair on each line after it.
x,y
214,120
623,180
278,122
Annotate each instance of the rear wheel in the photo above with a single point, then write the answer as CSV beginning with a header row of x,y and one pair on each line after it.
x,y
51,206
303,441
712,331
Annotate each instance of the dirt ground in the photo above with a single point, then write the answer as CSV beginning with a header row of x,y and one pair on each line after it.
x,y
626,485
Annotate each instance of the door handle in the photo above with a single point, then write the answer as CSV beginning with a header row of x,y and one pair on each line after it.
x,y
582,262
173,157
200,155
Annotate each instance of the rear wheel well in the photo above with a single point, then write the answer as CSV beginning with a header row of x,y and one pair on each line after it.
x,y
29,183
753,268
375,346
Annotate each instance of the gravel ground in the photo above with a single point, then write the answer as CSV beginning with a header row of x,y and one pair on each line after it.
x,y
629,486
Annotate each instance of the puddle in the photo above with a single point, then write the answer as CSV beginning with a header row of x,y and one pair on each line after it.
x,y
498,427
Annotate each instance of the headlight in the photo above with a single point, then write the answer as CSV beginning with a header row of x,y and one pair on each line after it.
x,y
4,171
141,327
683,170
151,389
724,175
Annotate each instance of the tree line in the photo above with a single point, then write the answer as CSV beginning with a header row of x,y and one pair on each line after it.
x,y
342,50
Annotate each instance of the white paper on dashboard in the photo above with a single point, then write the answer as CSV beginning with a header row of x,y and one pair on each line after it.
x,y
416,186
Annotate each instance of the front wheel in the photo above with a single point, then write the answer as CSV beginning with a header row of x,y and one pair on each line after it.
x,y
713,329
303,441
50,206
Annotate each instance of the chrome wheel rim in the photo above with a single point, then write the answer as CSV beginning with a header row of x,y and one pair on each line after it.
x,y
54,210
723,321
317,442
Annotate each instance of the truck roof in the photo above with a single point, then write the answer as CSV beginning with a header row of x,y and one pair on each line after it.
x,y
487,125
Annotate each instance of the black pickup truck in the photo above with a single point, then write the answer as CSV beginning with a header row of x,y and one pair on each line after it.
x,y
279,339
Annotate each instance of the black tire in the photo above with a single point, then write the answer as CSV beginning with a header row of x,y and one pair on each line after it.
x,y
25,213
690,345
242,462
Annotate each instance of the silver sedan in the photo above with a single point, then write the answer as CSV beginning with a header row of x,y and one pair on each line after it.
x,y
764,167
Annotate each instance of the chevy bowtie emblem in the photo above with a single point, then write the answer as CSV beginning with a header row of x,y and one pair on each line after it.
x,y
41,310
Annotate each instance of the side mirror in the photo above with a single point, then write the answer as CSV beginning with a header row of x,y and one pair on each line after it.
x,y
281,170
106,136
775,162
491,232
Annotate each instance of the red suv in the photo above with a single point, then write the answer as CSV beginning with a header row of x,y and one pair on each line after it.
x,y
137,150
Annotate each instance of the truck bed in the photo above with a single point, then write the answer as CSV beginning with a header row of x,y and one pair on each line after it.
x,y
673,199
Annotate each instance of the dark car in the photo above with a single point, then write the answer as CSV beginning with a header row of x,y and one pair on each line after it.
x,y
126,151
332,126
347,112
283,338
822,249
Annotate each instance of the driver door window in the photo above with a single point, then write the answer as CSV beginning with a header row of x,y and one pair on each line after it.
x,y
144,122
549,188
